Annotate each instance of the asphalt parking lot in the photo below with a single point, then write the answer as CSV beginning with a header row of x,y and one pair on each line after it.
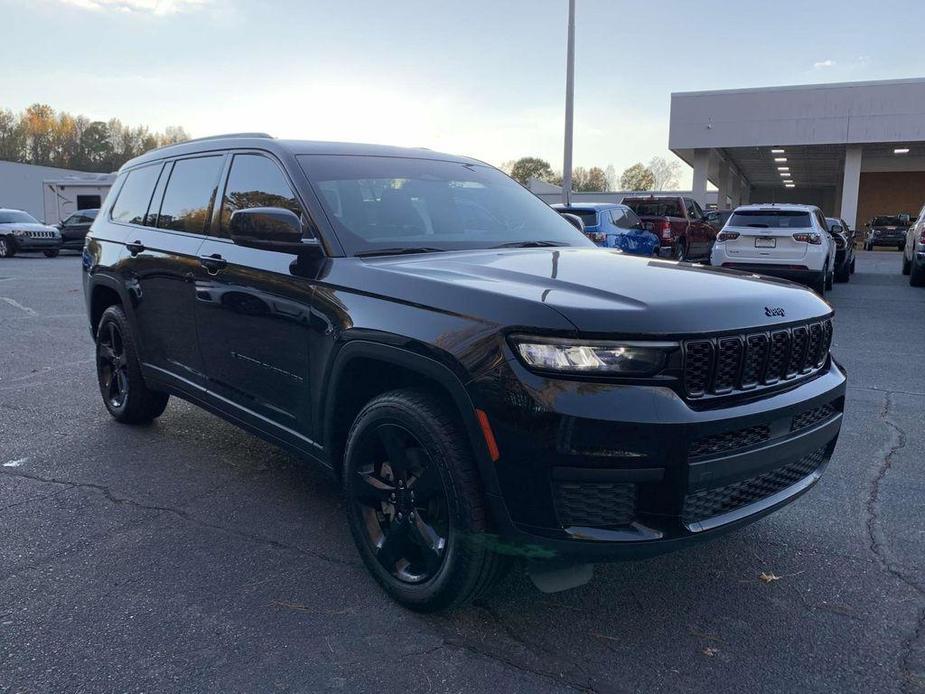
x,y
191,556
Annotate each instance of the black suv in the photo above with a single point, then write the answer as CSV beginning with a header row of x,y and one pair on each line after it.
x,y
485,383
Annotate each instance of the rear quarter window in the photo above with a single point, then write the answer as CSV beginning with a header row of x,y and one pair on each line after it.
x,y
655,208
134,197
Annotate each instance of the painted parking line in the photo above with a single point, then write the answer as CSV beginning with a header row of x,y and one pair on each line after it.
x,y
16,304
15,463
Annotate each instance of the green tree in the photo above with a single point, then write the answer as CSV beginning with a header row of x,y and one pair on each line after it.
x,y
592,180
637,177
526,168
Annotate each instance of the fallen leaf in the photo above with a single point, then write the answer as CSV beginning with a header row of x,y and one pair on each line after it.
x,y
710,651
768,578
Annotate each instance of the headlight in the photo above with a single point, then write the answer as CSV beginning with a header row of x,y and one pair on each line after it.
x,y
592,357
19,232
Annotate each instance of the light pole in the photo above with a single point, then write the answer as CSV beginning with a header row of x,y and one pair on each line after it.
x,y
569,106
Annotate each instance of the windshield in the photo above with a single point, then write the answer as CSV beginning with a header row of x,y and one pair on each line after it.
x,y
17,217
770,219
386,204
655,208
887,222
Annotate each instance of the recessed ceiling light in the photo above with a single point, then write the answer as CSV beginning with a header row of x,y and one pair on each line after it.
x,y
780,160
901,150
777,151
783,168
785,174
790,185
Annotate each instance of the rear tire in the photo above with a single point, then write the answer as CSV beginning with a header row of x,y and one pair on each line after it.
x,y
680,251
917,275
902,247
123,388
843,273
52,253
425,552
819,285
829,279
853,261
907,264
7,249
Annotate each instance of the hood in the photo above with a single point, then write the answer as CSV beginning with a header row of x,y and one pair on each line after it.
x,y
26,226
599,291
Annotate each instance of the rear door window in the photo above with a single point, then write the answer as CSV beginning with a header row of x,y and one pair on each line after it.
x,y
771,219
135,195
189,195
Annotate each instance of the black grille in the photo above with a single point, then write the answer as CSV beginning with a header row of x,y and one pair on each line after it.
x,y
811,417
739,362
728,441
595,504
710,503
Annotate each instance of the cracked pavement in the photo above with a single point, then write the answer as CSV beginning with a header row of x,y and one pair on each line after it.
x,y
190,556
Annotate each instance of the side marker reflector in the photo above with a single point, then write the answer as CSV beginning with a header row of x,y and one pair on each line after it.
x,y
489,436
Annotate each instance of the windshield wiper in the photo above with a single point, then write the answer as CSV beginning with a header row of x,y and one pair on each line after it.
x,y
530,244
399,251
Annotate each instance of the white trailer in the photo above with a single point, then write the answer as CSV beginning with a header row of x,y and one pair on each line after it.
x,y
64,196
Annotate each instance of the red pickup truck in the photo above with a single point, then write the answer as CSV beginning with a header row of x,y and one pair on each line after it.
x,y
678,222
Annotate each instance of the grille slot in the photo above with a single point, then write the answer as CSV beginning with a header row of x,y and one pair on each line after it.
x,y
595,504
740,362
812,417
698,367
703,505
728,441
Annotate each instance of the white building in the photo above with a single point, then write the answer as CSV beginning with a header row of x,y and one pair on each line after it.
x,y
51,194
855,149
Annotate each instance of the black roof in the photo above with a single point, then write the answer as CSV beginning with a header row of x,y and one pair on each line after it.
x,y
291,147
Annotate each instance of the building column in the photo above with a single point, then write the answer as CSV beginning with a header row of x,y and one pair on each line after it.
x,y
851,184
701,165
723,188
745,192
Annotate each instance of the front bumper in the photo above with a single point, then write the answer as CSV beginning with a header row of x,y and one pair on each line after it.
x,y
26,243
887,240
601,472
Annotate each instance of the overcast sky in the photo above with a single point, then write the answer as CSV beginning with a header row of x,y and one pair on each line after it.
x,y
484,78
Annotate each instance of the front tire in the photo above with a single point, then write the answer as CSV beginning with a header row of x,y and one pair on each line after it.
x,y
125,393
853,261
7,249
414,502
843,273
51,253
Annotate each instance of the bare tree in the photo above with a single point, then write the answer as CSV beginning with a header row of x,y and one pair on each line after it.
x,y
666,173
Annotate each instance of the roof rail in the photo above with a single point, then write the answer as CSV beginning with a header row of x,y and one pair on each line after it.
x,y
216,137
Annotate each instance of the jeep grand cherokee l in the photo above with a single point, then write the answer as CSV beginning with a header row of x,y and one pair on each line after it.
x,y
486,384
20,231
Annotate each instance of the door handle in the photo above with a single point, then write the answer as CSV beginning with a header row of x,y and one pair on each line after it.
x,y
212,263
135,247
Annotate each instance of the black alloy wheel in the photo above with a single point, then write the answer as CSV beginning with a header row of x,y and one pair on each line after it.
x,y
112,366
123,388
6,248
403,504
415,503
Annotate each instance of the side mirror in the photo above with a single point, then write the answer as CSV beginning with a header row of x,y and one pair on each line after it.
x,y
271,229
574,220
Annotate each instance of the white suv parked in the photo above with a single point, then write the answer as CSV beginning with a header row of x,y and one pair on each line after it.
x,y
784,240
914,252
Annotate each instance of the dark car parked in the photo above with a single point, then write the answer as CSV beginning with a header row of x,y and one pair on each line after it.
x,y
484,382
887,231
718,218
679,223
74,229
21,232
844,238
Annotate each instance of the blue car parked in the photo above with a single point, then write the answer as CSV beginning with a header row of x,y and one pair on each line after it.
x,y
611,225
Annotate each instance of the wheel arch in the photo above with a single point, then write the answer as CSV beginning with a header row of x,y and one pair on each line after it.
x,y
364,369
103,294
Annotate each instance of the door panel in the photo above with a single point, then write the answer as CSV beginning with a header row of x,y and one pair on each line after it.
x,y
254,319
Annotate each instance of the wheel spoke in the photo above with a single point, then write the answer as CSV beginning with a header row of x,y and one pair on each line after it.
x,y
424,480
106,353
392,547
428,538
374,490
